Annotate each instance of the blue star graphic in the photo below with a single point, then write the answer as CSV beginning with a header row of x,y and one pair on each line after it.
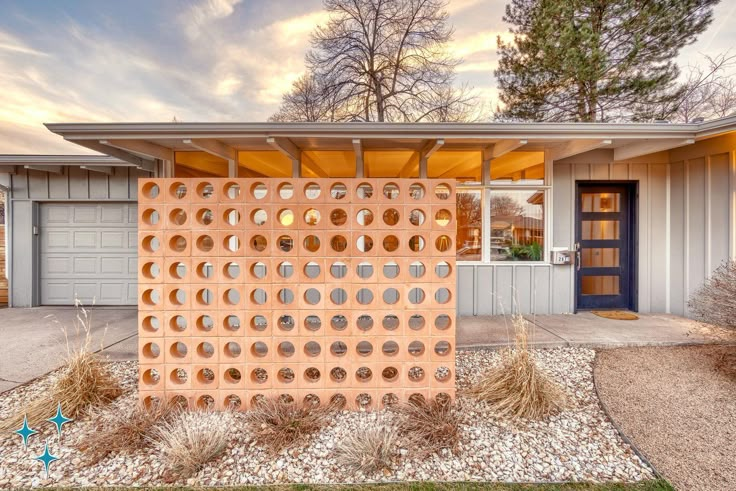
x,y
46,458
25,432
59,420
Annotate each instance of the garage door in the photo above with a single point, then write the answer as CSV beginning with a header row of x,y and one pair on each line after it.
x,y
88,250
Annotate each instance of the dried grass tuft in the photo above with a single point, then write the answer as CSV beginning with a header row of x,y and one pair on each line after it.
x,y
192,439
715,301
429,426
370,451
278,424
517,388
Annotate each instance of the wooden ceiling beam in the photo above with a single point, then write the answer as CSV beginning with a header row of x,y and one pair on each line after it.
x,y
645,147
576,147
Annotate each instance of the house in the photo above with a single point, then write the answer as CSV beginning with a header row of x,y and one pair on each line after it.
x,y
552,217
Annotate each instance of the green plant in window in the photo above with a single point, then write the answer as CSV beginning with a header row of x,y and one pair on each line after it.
x,y
530,252
534,251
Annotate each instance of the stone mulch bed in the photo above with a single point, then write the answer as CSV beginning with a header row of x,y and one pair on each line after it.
x,y
578,444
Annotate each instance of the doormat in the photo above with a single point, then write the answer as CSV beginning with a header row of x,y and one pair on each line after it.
x,y
619,315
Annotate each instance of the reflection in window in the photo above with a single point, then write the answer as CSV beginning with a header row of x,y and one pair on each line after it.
x,y
517,225
524,168
469,225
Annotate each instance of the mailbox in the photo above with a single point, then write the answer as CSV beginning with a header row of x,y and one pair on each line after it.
x,y
561,256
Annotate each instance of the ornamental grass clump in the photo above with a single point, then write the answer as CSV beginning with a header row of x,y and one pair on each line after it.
x,y
517,388
715,301
278,424
430,426
370,451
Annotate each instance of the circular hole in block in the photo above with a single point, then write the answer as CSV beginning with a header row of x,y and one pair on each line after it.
x,y
258,270
364,348
205,190
206,403
286,217
151,377
443,243
259,349
178,323
442,374
151,243
151,216
338,217
231,296
204,243
390,322
442,191
177,297
205,323
178,190
285,269
258,243
363,400
442,295
286,322
416,243
442,269
205,296
311,243
231,190
363,374
364,243
416,348
205,216
285,243
259,375
416,191
259,323
390,348
178,376
391,217
178,243
364,270
286,349
205,270
417,269
339,322
442,217
259,296
391,270
417,322
338,401
443,398
312,270
178,271
177,216
364,190
416,374
390,374
312,348
151,402
178,350
258,216
151,351
151,297
150,190
338,374
312,374
339,270
364,217
231,323
151,271
416,217
232,375
286,398
150,323
233,402
231,243
338,296
312,190
416,296
286,190
338,348
338,243
205,349
338,191
257,399
442,348
391,190
231,270
285,296
311,400
417,399
364,322
286,375
391,296
364,296
180,402
390,243
312,323
259,190
312,296
231,217
312,217
389,399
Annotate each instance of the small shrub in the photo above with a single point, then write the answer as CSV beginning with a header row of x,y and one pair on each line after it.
x,y
715,301
369,451
279,424
517,388
192,439
429,426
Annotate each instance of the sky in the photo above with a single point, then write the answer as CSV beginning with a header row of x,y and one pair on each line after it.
x,y
197,60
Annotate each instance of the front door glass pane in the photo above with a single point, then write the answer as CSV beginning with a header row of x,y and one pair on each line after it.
x,y
601,285
601,202
600,257
600,230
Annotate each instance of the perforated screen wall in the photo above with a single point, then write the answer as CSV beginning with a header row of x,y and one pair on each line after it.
x,y
312,289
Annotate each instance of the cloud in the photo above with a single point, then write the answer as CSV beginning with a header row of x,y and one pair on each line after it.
x,y
12,44
198,17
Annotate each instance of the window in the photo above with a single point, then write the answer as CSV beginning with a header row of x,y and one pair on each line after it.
x,y
517,225
469,225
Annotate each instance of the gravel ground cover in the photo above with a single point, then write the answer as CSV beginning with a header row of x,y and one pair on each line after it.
x,y
578,444
678,408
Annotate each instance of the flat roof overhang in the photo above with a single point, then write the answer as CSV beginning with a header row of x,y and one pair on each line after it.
x,y
54,163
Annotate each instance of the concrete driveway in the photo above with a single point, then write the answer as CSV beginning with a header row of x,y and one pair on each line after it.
x,y
34,342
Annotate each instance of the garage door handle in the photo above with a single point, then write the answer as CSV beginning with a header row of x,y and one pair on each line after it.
x,y
35,230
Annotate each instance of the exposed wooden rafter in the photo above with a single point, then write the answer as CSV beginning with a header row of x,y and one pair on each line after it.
x,y
213,147
359,160
140,162
576,147
287,147
103,169
148,149
646,147
502,148
10,169
53,169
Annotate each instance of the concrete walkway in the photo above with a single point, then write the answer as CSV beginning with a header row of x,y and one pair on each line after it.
x,y
589,330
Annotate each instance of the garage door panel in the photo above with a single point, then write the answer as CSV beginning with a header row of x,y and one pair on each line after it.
x,y
114,266
85,215
85,266
55,214
85,240
113,240
56,265
113,215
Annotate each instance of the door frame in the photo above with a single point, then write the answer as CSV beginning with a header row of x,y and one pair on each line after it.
x,y
633,256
